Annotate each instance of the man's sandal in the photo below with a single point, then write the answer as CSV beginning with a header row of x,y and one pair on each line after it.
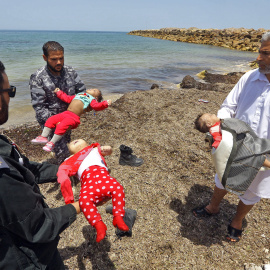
x,y
202,212
234,235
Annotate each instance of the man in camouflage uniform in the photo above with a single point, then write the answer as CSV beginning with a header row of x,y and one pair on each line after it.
x,y
42,84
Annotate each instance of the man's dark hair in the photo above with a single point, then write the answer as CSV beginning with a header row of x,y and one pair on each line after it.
x,y
52,46
2,70
198,124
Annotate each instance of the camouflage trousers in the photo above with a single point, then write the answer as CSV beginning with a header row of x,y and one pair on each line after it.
x,y
61,149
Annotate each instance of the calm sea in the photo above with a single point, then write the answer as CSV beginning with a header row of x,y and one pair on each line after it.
x,y
114,62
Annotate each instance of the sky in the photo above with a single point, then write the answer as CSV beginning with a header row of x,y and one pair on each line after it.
x,y
126,15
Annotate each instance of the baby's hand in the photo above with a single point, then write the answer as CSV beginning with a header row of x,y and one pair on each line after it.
x,y
56,90
109,102
106,150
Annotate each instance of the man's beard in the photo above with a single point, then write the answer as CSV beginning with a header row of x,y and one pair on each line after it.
x,y
4,111
53,69
265,70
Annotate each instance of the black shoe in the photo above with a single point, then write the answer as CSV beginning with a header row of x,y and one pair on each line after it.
x,y
126,157
129,219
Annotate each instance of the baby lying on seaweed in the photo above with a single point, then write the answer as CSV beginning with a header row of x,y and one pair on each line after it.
x,y
97,186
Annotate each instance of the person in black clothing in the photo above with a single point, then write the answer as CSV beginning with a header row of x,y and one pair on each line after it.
x,y
29,229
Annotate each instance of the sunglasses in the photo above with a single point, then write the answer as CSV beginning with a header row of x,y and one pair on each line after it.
x,y
11,91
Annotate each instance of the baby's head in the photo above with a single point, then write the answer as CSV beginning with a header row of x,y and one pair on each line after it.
x,y
76,146
204,121
96,93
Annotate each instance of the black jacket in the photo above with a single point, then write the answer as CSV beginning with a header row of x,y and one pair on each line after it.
x,y
29,229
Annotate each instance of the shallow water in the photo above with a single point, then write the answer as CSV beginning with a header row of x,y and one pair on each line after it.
x,y
114,62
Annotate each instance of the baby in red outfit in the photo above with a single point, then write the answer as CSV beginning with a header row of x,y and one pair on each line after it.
x,y
97,186
70,119
209,123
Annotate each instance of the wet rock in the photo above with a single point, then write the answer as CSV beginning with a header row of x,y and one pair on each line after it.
x,y
188,82
214,82
154,86
231,78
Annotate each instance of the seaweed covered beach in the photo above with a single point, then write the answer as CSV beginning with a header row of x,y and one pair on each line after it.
x,y
177,175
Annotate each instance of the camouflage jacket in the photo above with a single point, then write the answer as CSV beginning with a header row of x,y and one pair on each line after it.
x,y
43,83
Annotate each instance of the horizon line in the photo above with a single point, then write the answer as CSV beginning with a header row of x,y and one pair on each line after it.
x,y
58,30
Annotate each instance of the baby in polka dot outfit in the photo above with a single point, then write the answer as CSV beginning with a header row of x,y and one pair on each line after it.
x,y
97,186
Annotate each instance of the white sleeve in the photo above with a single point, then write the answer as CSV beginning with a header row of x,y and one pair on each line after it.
x,y
229,106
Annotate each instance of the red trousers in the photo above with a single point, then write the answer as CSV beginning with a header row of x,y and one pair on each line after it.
x,y
65,119
96,186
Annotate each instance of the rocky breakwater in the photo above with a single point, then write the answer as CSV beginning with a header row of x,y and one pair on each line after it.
x,y
232,38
